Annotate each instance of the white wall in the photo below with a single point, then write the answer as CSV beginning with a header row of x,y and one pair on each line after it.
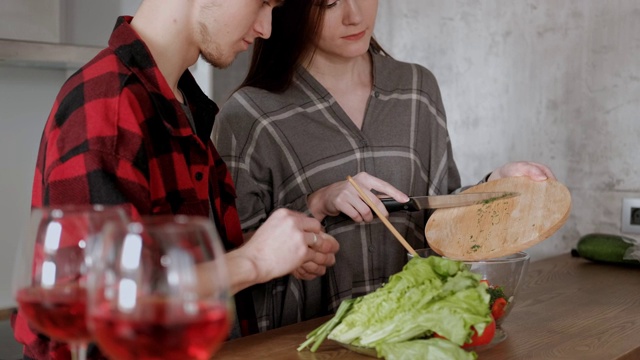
x,y
26,96
31,20
551,81
89,22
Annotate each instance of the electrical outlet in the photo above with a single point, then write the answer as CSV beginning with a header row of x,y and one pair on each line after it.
x,y
631,216
635,216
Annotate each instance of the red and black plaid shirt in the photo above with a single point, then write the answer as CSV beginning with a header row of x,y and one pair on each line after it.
x,y
117,135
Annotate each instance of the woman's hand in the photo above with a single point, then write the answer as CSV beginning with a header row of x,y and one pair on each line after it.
x,y
342,197
533,170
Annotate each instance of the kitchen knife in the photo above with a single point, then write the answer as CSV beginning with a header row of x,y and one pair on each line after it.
x,y
417,203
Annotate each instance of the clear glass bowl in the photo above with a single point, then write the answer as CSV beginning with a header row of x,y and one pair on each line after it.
x,y
506,272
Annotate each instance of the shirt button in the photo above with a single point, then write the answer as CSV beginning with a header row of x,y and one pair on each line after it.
x,y
371,248
199,176
376,94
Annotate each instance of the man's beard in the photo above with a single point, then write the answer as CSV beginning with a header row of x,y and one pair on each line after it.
x,y
216,58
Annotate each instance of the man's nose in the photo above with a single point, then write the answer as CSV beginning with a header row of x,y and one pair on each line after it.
x,y
263,24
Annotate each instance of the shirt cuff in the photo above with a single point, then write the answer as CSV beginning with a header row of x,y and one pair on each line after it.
x,y
300,205
485,179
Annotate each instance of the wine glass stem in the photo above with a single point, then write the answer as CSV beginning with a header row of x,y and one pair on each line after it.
x,y
79,351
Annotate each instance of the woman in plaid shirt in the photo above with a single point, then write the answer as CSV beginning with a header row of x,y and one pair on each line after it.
x,y
322,101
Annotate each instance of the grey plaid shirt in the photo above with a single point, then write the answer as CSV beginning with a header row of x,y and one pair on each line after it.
x,y
282,147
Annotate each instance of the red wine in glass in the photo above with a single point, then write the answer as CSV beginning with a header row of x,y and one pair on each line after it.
x,y
159,290
58,312
51,268
154,334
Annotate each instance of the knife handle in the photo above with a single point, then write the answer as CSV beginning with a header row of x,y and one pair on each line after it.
x,y
393,205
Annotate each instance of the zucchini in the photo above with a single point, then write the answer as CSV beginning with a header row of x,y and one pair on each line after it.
x,y
605,248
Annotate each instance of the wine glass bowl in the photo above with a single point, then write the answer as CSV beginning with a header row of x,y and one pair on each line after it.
x,y
159,289
51,268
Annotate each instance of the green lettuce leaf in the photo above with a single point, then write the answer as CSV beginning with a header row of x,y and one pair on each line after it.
x,y
430,295
432,349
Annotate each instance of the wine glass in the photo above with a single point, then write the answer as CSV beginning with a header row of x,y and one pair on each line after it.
x,y
51,267
159,290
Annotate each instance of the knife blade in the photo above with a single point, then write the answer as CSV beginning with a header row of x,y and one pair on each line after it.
x,y
417,203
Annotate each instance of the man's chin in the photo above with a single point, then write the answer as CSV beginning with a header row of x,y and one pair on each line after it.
x,y
218,63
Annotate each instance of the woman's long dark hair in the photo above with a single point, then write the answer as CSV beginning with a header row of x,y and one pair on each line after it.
x,y
295,27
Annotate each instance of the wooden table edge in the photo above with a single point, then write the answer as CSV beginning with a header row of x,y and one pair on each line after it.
x,y
5,313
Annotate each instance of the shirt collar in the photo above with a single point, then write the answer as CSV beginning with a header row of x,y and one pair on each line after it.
x,y
134,54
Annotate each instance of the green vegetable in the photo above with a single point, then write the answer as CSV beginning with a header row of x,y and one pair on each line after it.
x,y
505,195
317,336
432,349
606,248
496,292
430,295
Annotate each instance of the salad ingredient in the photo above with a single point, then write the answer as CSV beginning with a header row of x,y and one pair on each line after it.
x,y
607,248
478,339
496,292
432,349
317,336
498,308
498,302
484,338
430,295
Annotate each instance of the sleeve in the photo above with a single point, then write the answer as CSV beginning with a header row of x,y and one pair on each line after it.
x,y
110,166
454,183
234,137
451,182
97,177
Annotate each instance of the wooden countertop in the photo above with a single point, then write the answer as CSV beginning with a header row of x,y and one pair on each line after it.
x,y
5,314
567,308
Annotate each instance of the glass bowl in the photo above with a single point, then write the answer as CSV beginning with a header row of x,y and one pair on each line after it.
x,y
503,275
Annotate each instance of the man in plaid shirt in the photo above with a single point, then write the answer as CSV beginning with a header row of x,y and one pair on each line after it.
x,y
132,127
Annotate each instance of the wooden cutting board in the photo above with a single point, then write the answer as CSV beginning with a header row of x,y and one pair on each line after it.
x,y
503,226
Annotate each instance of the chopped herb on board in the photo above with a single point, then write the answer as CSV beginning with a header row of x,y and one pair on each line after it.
x,y
475,247
489,201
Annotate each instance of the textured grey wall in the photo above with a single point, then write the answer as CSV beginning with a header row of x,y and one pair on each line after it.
x,y
551,81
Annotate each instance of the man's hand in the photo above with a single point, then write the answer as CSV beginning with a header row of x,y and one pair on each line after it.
x,y
326,247
286,242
